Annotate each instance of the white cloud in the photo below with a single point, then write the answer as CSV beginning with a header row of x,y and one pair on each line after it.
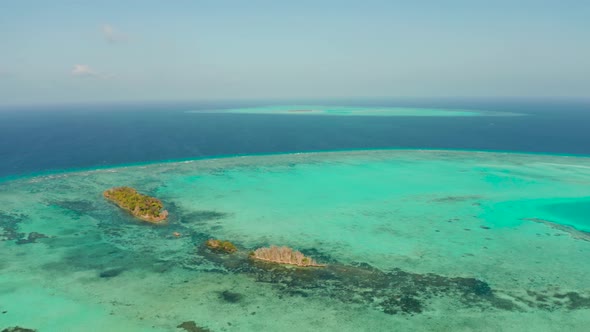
x,y
87,71
84,70
112,35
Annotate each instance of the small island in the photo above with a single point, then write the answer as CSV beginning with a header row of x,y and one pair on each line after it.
x,y
283,255
143,207
222,246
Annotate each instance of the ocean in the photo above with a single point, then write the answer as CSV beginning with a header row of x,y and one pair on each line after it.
x,y
38,139
470,217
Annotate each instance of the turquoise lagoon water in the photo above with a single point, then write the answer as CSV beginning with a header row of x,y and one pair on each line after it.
x,y
413,240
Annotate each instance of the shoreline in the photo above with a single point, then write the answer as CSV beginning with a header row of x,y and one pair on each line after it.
x,y
57,172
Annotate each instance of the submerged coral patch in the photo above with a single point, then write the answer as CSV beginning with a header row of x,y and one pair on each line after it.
x,y
231,297
392,292
18,329
402,304
573,300
573,232
31,238
75,208
111,273
9,224
451,199
200,216
191,326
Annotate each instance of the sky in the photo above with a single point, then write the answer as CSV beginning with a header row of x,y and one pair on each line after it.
x,y
106,51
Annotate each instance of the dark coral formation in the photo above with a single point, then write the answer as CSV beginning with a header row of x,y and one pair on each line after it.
x,y
573,232
402,304
231,297
572,300
110,273
191,326
32,238
9,227
18,329
392,292
452,199
553,300
74,208
201,216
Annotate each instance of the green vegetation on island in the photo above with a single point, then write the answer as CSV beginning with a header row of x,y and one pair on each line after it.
x,y
219,245
283,255
143,207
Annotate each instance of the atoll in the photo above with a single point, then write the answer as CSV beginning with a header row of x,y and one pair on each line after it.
x,y
143,207
219,245
283,255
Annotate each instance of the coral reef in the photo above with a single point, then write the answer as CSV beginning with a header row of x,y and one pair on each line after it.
x,y
111,273
31,238
201,216
9,229
18,329
220,245
143,207
191,326
9,226
573,232
74,208
283,255
231,297
396,292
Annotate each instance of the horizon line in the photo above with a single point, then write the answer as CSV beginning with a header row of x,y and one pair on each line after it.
x,y
291,99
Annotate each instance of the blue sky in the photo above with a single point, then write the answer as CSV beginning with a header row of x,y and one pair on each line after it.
x,y
79,51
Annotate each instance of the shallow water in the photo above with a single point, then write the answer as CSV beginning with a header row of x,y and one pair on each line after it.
x,y
424,240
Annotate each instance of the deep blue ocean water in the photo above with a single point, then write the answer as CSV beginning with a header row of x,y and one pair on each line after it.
x,y
47,138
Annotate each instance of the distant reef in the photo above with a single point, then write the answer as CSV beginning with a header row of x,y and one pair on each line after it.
x,y
141,206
